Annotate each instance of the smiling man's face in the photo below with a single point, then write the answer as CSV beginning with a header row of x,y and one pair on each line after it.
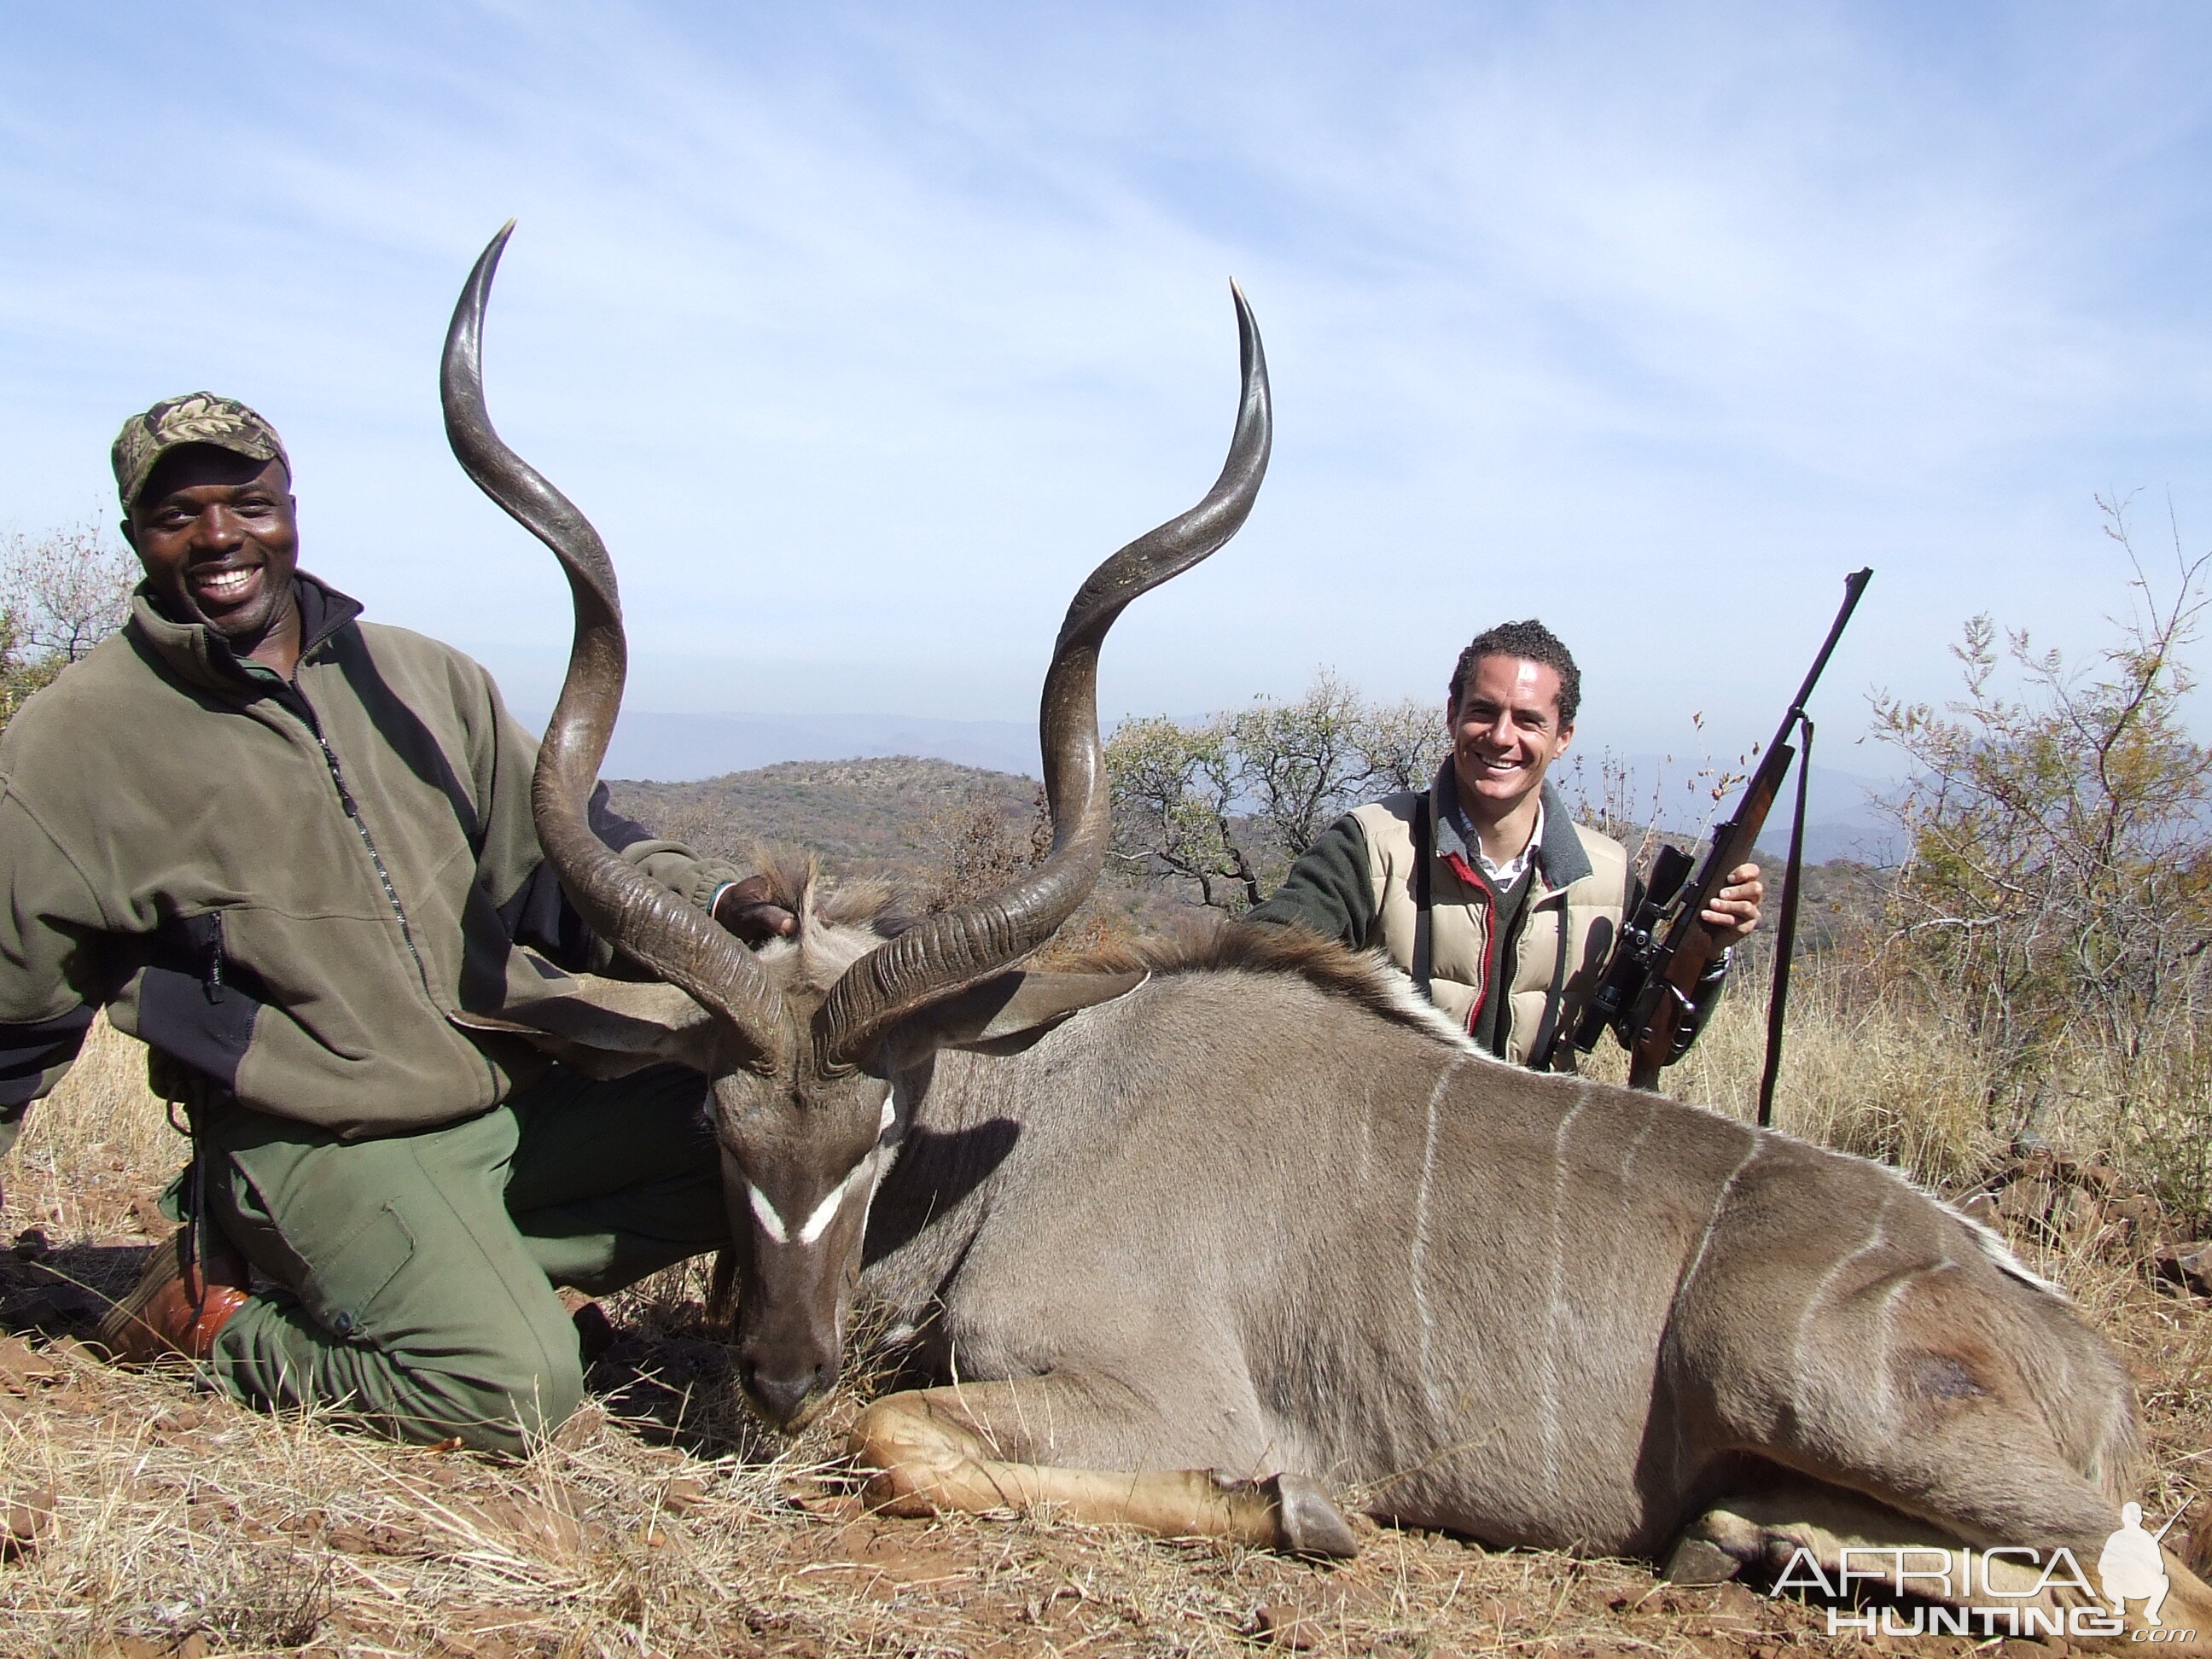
x,y
1506,731
217,534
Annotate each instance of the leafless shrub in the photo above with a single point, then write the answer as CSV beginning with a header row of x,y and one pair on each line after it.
x,y
61,594
69,588
977,847
2055,907
1676,801
1217,808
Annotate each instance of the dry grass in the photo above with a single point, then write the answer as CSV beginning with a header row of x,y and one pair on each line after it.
x,y
661,1522
100,1139
1868,1069
1868,1075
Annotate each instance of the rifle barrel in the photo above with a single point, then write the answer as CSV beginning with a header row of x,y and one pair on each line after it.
x,y
2160,1533
1853,584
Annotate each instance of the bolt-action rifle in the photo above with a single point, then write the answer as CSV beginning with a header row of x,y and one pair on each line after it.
x,y
1648,992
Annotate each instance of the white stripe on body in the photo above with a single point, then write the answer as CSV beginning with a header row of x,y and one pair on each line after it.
x,y
1628,1157
1720,1202
1550,1402
1878,1239
1887,1393
1421,1241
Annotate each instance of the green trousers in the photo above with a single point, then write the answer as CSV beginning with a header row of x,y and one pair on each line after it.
x,y
417,1273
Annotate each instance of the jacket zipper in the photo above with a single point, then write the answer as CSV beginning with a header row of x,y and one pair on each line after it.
x,y
211,969
361,826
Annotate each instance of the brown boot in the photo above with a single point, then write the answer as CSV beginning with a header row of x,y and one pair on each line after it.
x,y
177,1308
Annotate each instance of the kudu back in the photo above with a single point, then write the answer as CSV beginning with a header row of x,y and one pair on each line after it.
x,y
1208,1231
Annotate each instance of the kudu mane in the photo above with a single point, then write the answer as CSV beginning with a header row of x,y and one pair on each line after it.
x,y
840,924
1366,979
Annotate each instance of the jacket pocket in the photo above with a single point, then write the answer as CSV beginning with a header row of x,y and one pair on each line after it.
x,y
192,1004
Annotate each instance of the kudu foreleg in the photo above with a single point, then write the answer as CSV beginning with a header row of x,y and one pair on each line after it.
x,y
934,1449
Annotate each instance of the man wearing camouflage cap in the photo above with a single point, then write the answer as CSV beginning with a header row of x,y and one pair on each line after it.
x,y
291,850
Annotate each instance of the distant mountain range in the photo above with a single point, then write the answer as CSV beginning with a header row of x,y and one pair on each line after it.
x,y
686,748
1840,819
1840,823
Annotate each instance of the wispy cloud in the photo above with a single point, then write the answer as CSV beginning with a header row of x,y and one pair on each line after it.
x,y
862,331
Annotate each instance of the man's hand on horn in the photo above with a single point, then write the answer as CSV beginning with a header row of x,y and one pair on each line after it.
x,y
1734,912
746,910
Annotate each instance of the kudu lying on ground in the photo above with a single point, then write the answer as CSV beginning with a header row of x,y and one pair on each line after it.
x,y
1200,1229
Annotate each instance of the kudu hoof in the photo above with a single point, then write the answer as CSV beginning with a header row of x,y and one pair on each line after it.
x,y
1306,1522
1699,1561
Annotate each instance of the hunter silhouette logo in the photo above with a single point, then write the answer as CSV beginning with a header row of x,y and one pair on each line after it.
x,y
2131,1566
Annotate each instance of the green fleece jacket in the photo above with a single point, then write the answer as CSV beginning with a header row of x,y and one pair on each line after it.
x,y
288,889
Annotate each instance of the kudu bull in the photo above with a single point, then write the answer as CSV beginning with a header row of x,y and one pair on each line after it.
x,y
1205,1227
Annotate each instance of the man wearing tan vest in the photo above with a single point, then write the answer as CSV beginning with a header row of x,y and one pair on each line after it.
x,y
1501,907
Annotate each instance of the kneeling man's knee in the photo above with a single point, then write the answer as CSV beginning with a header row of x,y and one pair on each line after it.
x,y
494,1408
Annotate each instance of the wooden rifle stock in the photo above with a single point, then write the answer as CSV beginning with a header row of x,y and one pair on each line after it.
x,y
1663,1018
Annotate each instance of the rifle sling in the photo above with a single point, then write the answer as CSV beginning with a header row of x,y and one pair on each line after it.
x,y
1547,1028
1423,851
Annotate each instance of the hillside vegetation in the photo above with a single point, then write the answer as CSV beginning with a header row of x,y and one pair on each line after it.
x,y
876,817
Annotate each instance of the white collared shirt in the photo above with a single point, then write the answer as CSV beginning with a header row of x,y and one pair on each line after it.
x,y
1503,876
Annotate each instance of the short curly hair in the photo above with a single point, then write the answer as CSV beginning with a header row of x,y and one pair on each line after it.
x,y
1530,640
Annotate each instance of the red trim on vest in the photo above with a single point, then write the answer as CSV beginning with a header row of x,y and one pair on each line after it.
x,y
1461,868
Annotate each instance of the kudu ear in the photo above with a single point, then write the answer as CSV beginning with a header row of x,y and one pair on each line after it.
x,y
608,1028
1008,1011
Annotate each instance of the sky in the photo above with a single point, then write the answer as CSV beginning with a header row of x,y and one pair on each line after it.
x,y
862,332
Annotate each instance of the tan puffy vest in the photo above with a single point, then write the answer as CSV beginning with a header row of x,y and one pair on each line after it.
x,y
1566,931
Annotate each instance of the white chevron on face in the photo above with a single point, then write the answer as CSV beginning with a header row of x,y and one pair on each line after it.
x,y
809,1232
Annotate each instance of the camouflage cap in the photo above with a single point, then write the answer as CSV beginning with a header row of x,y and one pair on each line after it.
x,y
196,417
